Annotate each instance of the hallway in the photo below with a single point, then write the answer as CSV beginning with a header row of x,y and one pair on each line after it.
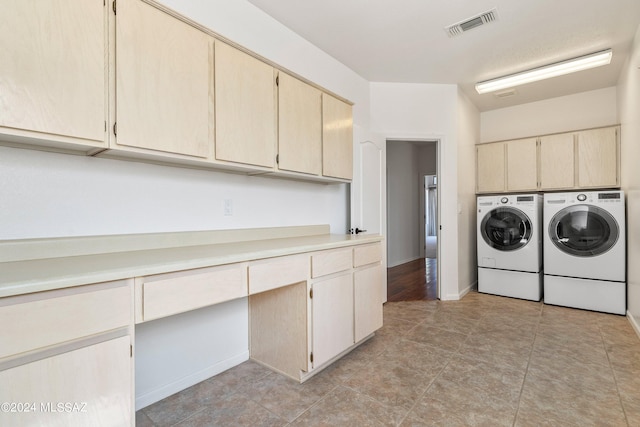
x,y
413,281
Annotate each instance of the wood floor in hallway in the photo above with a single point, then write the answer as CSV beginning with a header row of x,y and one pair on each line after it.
x,y
412,281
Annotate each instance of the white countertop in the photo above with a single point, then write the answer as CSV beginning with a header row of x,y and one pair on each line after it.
x,y
36,275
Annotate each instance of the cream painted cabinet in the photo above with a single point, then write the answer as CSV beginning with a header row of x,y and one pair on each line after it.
x,y
522,171
89,386
369,295
563,161
245,108
490,167
300,323
66,356
369,290
507,166
598,154
53,73
337,138
557,163
333,317
164,87
166,294
299,126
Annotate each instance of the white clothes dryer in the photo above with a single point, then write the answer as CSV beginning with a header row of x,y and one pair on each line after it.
x,y
510,245
585,250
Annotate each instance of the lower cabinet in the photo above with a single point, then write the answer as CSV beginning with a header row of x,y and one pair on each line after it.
x,y
166,294
299,328
333,317
369,295
89,386
66,357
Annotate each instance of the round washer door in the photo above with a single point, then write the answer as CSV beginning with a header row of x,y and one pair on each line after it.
x,y
506,228
583,230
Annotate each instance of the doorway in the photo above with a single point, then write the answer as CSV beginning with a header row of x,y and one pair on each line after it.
x,y
412,220
430,183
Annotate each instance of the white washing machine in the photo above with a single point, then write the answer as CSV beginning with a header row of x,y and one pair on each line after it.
x,y
510,245
585,250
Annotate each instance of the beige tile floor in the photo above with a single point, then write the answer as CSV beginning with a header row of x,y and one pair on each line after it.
x,y
482,361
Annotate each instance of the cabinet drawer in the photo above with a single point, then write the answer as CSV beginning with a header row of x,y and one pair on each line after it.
x,y
328,262
172,293
34,321
277,272
367,254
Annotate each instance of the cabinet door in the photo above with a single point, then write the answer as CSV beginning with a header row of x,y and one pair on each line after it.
x,y
522,165
332,317
598,158
299,126
92,384
53,70
163,81
557,164
245,105
490,166
337,138
368,296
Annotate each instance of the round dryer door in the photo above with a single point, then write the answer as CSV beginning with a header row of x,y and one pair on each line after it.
x,y
583,230
506,228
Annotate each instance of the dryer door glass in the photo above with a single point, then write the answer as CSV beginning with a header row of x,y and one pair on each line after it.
x,y
583,230
506,229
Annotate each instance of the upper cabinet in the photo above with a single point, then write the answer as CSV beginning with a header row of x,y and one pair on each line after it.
x,y
557,163
299,126
53,73
133,79
573,160
245,105
522,173
598,153
164,98
337,138
490,159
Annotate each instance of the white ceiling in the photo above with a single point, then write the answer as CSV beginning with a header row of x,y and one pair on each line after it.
x,y
405,40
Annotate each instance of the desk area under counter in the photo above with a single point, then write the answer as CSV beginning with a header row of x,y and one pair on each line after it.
x,y
296,298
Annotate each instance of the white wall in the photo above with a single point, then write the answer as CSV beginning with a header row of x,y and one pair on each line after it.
x,y
566,113
629,116
427,159
51,195
468,136
403,111
403,203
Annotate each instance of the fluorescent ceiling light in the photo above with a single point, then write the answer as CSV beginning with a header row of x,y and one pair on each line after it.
x,y
558,69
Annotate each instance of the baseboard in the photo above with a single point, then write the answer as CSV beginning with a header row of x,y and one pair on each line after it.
x,y
633,322
186,382
397,263
468,289
460,294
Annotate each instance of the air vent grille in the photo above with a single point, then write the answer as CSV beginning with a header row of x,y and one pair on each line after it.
x,y
471,23
505,93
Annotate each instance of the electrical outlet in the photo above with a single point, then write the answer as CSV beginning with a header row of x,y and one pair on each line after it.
x,y
228,207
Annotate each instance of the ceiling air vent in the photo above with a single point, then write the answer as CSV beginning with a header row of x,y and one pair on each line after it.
x,y
505,93
473,22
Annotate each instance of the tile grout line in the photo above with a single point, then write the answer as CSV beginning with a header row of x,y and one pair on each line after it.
x,y
453,354
613,374
526,371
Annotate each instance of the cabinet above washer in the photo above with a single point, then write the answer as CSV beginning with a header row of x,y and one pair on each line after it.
x,y
572,160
